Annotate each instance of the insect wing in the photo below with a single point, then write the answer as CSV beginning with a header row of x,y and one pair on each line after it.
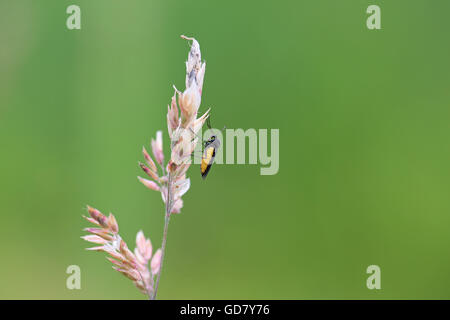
x,y
207,160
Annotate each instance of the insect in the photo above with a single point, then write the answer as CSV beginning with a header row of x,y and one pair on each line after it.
x,y
209,153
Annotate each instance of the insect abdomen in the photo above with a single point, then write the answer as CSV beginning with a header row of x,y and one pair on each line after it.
x,y
207,161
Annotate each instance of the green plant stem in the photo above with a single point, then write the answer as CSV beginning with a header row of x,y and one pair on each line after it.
x,y
166,228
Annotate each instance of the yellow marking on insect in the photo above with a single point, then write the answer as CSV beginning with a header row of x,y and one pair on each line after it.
x,y
207,160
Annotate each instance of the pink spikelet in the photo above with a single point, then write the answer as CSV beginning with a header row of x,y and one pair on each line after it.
x,y
183,125
142,265
134,266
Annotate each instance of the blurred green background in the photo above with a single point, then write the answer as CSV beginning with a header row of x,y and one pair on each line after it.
x,y
364,146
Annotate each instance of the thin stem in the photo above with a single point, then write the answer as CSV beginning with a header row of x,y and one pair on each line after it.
x,y
149,293
166,227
